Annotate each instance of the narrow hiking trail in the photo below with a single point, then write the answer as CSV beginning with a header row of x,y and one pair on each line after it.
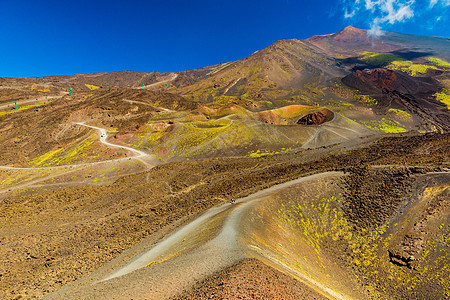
x,y
173,77
141,156
103,136
148,104
211,242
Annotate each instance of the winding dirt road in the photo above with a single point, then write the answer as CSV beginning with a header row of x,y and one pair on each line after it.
x,y
141,156
174,76
103,136
212,242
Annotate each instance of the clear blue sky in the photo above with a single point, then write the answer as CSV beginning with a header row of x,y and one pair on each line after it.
x,y
47,37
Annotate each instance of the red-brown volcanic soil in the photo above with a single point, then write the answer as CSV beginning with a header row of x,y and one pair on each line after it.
x,y
393,89
317,117
379,78
372,81
250,279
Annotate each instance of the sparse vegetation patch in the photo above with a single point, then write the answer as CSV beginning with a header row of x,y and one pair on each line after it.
x,y
367,252
384,125
400,114
92,87
410,67
438,62
444,97
378,59
395,62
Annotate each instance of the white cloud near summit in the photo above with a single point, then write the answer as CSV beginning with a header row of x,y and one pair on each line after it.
x,y
381,13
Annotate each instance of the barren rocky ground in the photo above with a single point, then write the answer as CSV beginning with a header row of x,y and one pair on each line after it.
x,y
97,175
250,279
52,238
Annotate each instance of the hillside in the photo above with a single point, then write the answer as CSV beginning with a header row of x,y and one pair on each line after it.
x,y
335,148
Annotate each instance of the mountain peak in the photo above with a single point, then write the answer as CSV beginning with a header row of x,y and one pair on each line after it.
x,y
351,30
349,40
